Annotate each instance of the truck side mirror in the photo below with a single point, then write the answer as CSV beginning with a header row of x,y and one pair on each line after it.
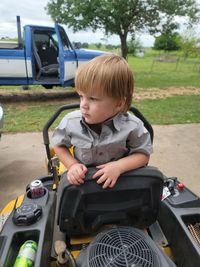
x,y
77,45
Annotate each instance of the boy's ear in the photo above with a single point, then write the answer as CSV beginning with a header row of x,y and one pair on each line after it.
x,y
121,103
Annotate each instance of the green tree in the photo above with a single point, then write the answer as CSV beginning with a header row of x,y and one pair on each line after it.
x,y
121,17
168,42
85,45
190,44
98,45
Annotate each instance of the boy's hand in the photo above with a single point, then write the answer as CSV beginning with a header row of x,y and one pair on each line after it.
x,y
108,173
76,173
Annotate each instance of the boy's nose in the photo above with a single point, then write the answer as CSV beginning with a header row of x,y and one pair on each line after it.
x,y
84,103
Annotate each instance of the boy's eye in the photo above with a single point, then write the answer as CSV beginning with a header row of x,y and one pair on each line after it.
x,y
93,98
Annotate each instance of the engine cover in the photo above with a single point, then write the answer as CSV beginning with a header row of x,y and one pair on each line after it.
x,y
123,247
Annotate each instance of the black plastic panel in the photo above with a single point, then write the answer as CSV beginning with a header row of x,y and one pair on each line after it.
x,y
134,200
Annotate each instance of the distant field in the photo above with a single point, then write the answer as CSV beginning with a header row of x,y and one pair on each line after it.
x,y
160,70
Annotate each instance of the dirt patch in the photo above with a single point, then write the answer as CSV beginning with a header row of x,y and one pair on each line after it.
x,y
30,96
156,93
11,96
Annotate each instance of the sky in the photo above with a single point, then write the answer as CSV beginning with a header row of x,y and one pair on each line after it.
x,y
33,12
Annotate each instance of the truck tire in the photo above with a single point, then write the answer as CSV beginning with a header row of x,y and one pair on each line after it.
x,y
25,87
47,86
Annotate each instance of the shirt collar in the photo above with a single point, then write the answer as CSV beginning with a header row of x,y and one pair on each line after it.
x,y
84,125
112,122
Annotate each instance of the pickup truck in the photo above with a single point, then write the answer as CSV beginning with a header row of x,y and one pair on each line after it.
x,y
44,56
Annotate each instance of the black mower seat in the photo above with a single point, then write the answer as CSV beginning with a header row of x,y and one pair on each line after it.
x,y
134,200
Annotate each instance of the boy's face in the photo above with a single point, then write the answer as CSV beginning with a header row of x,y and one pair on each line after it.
x,y
97,109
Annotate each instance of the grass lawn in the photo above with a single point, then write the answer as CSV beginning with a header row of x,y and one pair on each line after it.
x,y
171,110
150,73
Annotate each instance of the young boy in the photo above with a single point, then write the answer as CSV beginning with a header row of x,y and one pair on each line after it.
x,y
103,134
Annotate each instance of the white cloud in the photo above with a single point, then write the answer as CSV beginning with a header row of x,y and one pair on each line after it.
x,y
33,12
27,9
30,12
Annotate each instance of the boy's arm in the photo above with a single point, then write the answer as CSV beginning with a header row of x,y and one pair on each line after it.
x,y
76,170
133,161
65,156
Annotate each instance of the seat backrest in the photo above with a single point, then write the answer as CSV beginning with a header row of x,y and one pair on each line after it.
x,y
134,200
37,57
48,55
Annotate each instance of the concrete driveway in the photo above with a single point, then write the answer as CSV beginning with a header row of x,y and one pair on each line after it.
x,y
176,153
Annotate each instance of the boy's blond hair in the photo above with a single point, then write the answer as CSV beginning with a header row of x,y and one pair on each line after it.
x,y
107,75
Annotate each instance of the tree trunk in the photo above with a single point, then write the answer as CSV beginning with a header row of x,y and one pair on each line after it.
x,y
124,47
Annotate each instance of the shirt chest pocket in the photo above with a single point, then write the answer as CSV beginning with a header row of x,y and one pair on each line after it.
x,y
116,150
83,152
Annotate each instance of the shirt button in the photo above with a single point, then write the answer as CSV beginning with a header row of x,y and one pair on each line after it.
x,y
100,153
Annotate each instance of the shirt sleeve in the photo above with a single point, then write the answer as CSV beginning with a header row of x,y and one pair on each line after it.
x,y
61,135
139,140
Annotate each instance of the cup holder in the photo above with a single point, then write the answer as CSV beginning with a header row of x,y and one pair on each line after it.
x,y
30,195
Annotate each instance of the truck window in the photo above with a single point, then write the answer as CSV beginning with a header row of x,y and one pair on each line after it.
x,y
65,40
55,38
47,47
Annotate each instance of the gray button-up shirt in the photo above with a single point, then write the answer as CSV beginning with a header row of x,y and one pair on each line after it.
x,y
120,136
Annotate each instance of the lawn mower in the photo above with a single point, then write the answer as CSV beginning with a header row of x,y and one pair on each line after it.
x,y
145,220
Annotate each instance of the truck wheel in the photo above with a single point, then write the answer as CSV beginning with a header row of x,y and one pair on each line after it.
x,y
25,87
47,86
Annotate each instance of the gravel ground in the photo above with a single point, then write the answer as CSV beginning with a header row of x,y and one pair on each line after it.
x,y
176,153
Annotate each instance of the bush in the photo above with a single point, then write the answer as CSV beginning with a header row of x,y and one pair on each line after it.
x,y
133,46
168,42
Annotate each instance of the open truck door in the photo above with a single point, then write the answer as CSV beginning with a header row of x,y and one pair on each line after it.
x,y
67,57
44,54
54,59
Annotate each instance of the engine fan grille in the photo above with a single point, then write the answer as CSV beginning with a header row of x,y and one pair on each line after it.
x,y
122,247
